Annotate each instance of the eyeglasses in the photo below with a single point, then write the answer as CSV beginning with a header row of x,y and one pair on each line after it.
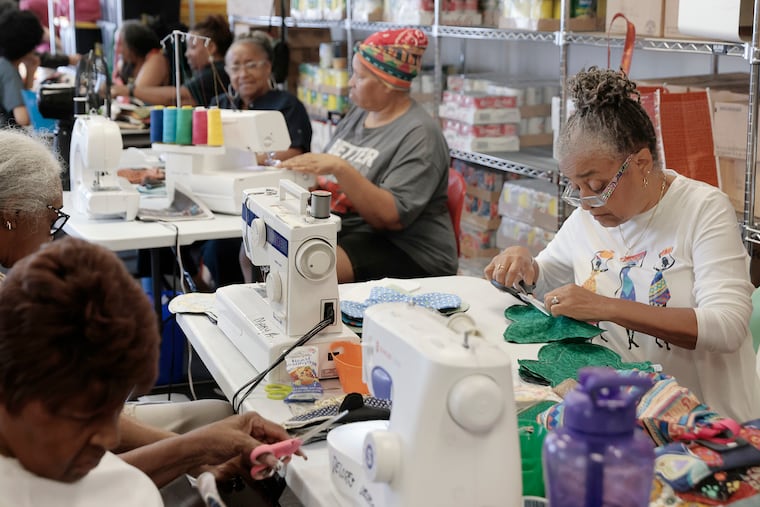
x,y
245,67
572,194
60,220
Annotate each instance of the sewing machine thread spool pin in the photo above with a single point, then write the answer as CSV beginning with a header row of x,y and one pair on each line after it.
x,y
320,204
80,106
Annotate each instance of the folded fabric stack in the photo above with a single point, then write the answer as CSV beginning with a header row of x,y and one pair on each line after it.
x,y
713,462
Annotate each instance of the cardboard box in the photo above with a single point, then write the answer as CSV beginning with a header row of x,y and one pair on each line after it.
x,y
482,193
531,201
516,233
731,20
482,144
577,24
671,21
732,175
487,130
730,129
254,8
481,222
646,15
536,140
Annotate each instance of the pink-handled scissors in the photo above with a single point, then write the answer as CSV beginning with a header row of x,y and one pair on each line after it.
x,y
288,447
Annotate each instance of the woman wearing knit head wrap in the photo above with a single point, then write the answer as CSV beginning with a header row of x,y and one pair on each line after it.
x,y
387,168
655,257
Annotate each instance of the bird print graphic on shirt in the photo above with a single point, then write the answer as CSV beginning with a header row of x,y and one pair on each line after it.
x,y
598,265
659,293
627,290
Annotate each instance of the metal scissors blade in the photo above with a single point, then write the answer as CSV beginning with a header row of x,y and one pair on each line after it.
x,y
288,447
321,426
524,293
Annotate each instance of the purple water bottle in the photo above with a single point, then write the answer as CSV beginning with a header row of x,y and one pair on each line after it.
x,y
598,458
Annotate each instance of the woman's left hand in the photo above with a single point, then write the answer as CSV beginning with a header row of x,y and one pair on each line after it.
x,y
315,163
574,301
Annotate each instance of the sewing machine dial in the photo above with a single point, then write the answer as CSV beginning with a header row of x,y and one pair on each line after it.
x,y
315,260
476,403
274,287
258,233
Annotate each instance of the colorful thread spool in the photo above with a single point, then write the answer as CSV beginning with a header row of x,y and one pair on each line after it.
x,y
200,125
170,125
157,124
185,125
215,134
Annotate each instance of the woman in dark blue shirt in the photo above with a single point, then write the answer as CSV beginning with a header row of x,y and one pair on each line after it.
x,y
248,62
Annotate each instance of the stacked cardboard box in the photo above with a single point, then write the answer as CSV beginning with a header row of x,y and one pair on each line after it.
x,y
528,210
323,90
480,215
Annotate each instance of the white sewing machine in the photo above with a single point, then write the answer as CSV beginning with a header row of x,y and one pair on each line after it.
x,y
217,175
95,153
301,288
452,437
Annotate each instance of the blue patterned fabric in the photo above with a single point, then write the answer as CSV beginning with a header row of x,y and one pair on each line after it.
x,y
436,300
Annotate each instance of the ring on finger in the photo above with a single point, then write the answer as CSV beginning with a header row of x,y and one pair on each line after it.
x,y
498,267
555,300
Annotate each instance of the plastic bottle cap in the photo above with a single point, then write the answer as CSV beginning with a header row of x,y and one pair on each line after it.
x,y
600,405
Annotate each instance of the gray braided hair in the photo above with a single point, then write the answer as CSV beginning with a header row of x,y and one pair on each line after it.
x,y
608,113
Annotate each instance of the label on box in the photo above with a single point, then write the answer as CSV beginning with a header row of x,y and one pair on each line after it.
x,y
480,101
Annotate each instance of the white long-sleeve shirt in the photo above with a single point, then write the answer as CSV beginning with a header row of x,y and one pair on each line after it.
x,y
695,245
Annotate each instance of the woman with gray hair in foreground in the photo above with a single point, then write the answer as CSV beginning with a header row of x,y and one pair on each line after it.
x,y
30,213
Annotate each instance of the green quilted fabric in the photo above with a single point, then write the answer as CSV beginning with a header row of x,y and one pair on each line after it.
x,y
531,326
561,360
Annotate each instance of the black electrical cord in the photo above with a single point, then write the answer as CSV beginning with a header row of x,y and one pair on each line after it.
x,y
247,388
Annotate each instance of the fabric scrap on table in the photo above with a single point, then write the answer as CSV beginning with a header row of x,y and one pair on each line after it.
x,y
561,360
327,409
529,325
722,445
440,301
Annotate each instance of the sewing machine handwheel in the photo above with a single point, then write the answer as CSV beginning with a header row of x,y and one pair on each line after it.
x,y
258,233
274,287
315,260
382,455
476,403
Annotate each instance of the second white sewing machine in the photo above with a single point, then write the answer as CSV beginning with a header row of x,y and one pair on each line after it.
x,y
217,175
282,231
96,189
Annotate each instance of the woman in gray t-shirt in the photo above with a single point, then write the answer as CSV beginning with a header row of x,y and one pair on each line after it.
x,y
387,168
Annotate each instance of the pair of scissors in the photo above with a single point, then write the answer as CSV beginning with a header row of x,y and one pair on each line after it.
x,y
277,391
524,293
287,447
